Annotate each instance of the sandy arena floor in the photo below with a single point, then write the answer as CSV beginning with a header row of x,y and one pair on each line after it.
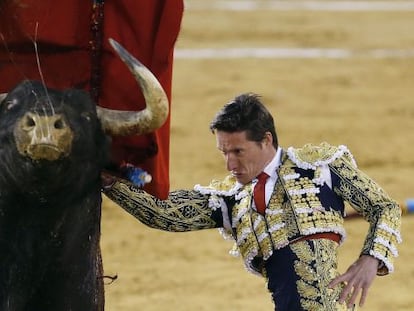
x,y
347,79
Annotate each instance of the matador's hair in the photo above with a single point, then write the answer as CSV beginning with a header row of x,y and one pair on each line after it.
x,y
245,113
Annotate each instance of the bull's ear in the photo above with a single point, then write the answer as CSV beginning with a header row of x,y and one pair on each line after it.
x,y
2,96
6,105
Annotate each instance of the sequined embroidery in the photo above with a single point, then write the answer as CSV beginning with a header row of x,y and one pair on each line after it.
x,y
316,266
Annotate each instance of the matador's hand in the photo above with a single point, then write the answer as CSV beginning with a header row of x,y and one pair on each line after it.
x,y
107,180
358,278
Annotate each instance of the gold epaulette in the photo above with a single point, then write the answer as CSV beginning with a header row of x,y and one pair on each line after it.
x,y
313,156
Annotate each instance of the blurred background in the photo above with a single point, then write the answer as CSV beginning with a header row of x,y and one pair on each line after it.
x,y
335,71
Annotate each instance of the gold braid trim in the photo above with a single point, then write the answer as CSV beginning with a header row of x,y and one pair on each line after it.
x,y
305,214
217,191
184,210
381,212
311,156
317,267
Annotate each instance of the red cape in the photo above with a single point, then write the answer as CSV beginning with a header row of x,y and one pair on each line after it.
x,y
148,29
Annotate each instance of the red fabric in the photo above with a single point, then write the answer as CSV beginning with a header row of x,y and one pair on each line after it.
x,y
146,28
259,193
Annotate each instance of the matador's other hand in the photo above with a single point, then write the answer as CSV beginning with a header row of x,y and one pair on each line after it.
x,y
358,278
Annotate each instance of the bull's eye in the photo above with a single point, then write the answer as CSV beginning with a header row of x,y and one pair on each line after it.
x,y
59,124
30,122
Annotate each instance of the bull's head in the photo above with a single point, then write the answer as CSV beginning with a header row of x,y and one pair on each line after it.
x,y
43,131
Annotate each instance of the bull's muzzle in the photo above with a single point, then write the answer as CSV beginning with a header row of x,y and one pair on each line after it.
x,y
47,137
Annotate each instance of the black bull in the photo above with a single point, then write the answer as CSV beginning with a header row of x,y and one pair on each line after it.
x,y
52,150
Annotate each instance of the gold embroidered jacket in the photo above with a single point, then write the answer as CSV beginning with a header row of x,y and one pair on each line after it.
x,y
302,203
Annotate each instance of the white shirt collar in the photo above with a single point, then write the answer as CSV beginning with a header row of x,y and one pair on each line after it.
x,y
271,168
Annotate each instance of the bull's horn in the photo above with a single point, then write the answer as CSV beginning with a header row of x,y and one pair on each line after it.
x,y
2,96
125,123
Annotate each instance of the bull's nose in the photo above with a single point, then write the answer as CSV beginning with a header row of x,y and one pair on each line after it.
x,y
47,137
44,124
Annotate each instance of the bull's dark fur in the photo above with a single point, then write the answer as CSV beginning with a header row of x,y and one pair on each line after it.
x,y
50,210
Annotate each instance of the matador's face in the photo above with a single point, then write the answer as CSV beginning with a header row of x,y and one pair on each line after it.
x,y
245,159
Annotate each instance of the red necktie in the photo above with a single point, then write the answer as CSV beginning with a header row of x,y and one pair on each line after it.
x,y
259,193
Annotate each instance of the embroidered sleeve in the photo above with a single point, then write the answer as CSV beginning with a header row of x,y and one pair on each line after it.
x,y
375,206
183,210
